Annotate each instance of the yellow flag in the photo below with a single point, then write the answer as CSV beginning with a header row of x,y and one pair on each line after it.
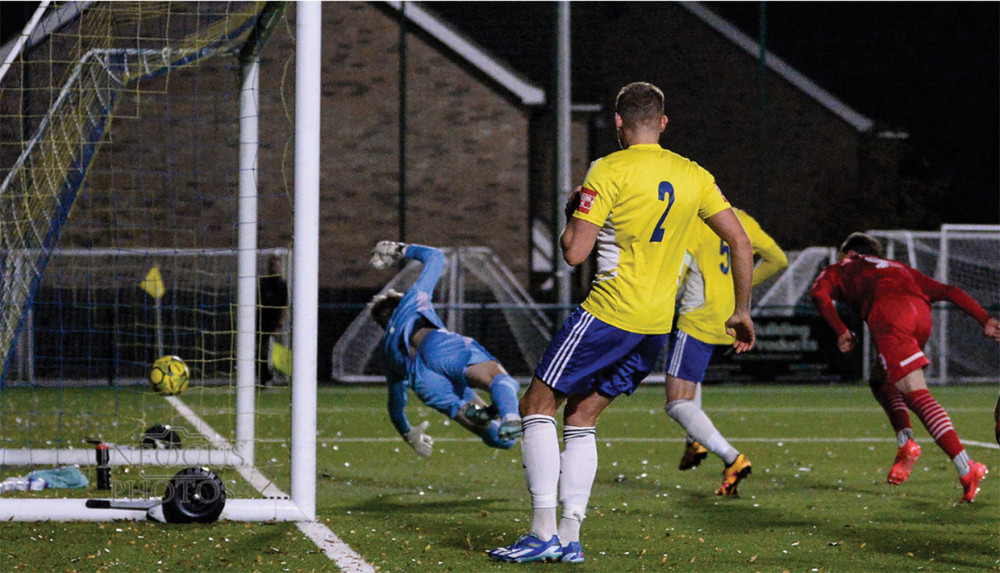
x,y
281,357
153,283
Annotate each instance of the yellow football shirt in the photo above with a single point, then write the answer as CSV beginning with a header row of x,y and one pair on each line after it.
x,y
647,201
709,298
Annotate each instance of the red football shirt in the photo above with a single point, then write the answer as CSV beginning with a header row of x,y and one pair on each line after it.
x,y
861,280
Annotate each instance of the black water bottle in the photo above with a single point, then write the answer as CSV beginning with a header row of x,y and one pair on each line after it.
x,y
103,467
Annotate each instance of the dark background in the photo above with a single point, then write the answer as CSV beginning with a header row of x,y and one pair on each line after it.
x,y
929,69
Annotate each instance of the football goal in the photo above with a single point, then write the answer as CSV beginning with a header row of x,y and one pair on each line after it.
x,y
132,226
967,256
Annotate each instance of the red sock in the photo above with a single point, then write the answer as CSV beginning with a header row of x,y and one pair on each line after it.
x,y
895,407
936,420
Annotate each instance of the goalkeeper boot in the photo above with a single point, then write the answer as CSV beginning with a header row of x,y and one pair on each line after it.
x,y
971,480
529,548
572,553
479,414
491,436
510,428
733,474
694,453
905,458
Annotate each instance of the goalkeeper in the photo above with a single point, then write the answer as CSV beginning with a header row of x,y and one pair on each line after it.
x,y
443,368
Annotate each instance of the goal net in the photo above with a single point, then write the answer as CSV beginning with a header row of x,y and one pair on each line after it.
x,y
128,146
476,296
967,256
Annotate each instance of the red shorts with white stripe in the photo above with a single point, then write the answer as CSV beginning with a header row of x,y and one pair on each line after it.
x,y
900,327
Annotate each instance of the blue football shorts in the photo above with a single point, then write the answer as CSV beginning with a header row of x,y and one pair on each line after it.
x,y
438,370
689,357
588,354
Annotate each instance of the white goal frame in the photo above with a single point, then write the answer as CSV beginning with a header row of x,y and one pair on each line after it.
x,y
937,347
274,505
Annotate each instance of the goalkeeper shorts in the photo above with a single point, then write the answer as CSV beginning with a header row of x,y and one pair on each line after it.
x,y
437,374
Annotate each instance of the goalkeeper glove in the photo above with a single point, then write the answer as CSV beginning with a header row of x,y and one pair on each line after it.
x,y
419,440
387,253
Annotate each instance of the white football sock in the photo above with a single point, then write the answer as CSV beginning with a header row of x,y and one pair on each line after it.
x,y
697,402
579,463
540,455
699,426
904,435
962,464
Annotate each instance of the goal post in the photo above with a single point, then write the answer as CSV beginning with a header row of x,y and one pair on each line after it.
x,y
116,141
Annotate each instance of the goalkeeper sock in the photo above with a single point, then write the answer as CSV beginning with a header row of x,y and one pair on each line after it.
x,y
503,390
579,464
700,427
540,455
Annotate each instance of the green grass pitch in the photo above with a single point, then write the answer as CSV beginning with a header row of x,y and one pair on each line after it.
x,y
816,500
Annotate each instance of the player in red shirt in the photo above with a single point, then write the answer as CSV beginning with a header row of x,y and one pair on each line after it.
x,y
895,301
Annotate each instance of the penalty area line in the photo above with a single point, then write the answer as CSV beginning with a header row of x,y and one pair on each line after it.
x,y
346,558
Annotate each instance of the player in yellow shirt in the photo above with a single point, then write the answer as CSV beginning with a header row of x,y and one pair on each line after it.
x,y
638,207
706,303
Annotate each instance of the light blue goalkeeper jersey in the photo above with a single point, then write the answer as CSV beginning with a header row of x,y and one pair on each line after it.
x,y
415,305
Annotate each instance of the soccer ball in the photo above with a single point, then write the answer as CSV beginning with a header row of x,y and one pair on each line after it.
x,y
169,375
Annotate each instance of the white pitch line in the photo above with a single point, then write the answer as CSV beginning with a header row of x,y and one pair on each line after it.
x,y
658,410
988,445
346,558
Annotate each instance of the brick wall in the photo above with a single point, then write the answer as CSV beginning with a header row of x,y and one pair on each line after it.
x,y
466,150
167,174
477,164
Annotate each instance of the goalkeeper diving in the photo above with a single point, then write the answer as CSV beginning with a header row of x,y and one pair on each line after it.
x,y
443,368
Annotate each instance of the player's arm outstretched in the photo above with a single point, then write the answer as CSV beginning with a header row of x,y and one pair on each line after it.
x,y
727,226
388,253
822,293
937,291
415,436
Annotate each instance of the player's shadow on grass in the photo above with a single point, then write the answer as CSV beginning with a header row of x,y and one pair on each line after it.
x,y
422,507
477,531
948,546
